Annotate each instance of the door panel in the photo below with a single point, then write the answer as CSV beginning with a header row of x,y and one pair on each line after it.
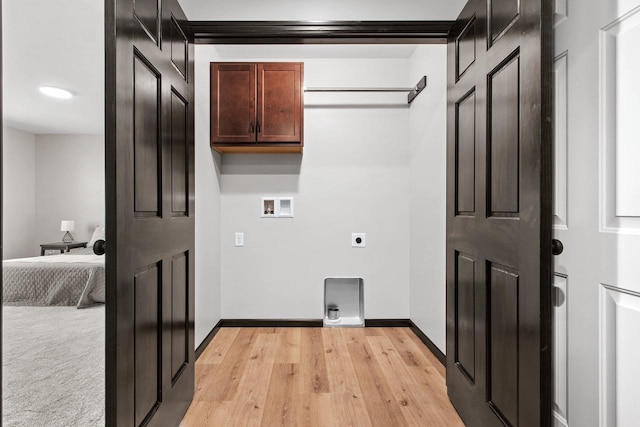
x,y
146,138
503,342
560,164
179,156
147,12
502,14
596,213
148,286
465,316
466,48
233,103
179,47
150,224
503,139
179,314
279,102
499,213
560,342
620,354
465,158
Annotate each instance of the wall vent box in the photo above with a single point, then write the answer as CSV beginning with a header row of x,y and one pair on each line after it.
x,y
347,295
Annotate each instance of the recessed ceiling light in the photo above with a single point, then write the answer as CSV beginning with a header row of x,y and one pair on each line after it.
x,y
56,92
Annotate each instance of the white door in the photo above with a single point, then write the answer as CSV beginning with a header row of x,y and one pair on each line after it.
x,y
597,213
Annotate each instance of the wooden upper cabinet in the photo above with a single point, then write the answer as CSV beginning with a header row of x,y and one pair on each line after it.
x,y
257,107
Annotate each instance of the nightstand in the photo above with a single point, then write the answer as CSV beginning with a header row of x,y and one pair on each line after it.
x,y
61,246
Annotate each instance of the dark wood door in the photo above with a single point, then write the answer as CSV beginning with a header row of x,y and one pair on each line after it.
x,y
233,103
280,102
499,213
150,208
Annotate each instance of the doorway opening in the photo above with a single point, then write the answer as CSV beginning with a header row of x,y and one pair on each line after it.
x,y
53,154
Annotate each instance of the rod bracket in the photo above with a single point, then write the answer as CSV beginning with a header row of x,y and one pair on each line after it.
x,y
417,90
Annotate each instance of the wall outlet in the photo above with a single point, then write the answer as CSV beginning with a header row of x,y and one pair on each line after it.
x,y
359,240
239,239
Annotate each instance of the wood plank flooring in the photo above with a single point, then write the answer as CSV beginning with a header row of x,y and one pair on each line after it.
x,y
299,377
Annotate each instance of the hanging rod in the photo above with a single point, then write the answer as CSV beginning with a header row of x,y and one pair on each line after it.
x,y
413,91
358,89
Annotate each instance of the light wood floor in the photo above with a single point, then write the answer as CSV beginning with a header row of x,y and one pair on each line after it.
x,y
319,377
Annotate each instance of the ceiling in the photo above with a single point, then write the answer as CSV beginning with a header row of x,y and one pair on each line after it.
x,y
54,43
321,10
61,43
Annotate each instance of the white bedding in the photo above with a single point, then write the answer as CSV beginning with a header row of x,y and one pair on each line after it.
x,y
54,280
66,259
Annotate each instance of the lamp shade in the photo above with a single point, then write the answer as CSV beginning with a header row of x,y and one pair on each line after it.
x,y
66,225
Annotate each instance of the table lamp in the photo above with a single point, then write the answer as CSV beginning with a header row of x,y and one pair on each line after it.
x,y
67,225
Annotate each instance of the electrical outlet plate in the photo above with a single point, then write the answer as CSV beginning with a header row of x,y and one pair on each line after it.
x,y
239,239
359,240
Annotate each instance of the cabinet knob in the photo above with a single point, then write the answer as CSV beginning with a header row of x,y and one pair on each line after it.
x,y
258,127
251,127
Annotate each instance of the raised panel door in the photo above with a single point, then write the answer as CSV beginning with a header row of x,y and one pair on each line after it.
x,y
150,224
597,212
499,214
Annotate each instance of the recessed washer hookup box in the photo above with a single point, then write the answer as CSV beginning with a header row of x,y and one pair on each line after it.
x,y
343,302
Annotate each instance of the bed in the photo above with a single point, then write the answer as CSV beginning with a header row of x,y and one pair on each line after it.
x,y
76,278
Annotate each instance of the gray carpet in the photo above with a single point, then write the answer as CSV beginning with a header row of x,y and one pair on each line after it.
x,y
53,366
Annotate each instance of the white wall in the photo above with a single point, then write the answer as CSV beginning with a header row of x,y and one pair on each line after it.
x,y
69,185
428,128
366,168
358,10
207,214
207,247
353,177
19,194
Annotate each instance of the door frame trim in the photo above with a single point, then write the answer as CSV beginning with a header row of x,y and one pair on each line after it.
x,y
273,33
320,32
111,215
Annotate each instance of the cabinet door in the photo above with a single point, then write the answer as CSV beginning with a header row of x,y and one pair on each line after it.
x,y
233,103
280,102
